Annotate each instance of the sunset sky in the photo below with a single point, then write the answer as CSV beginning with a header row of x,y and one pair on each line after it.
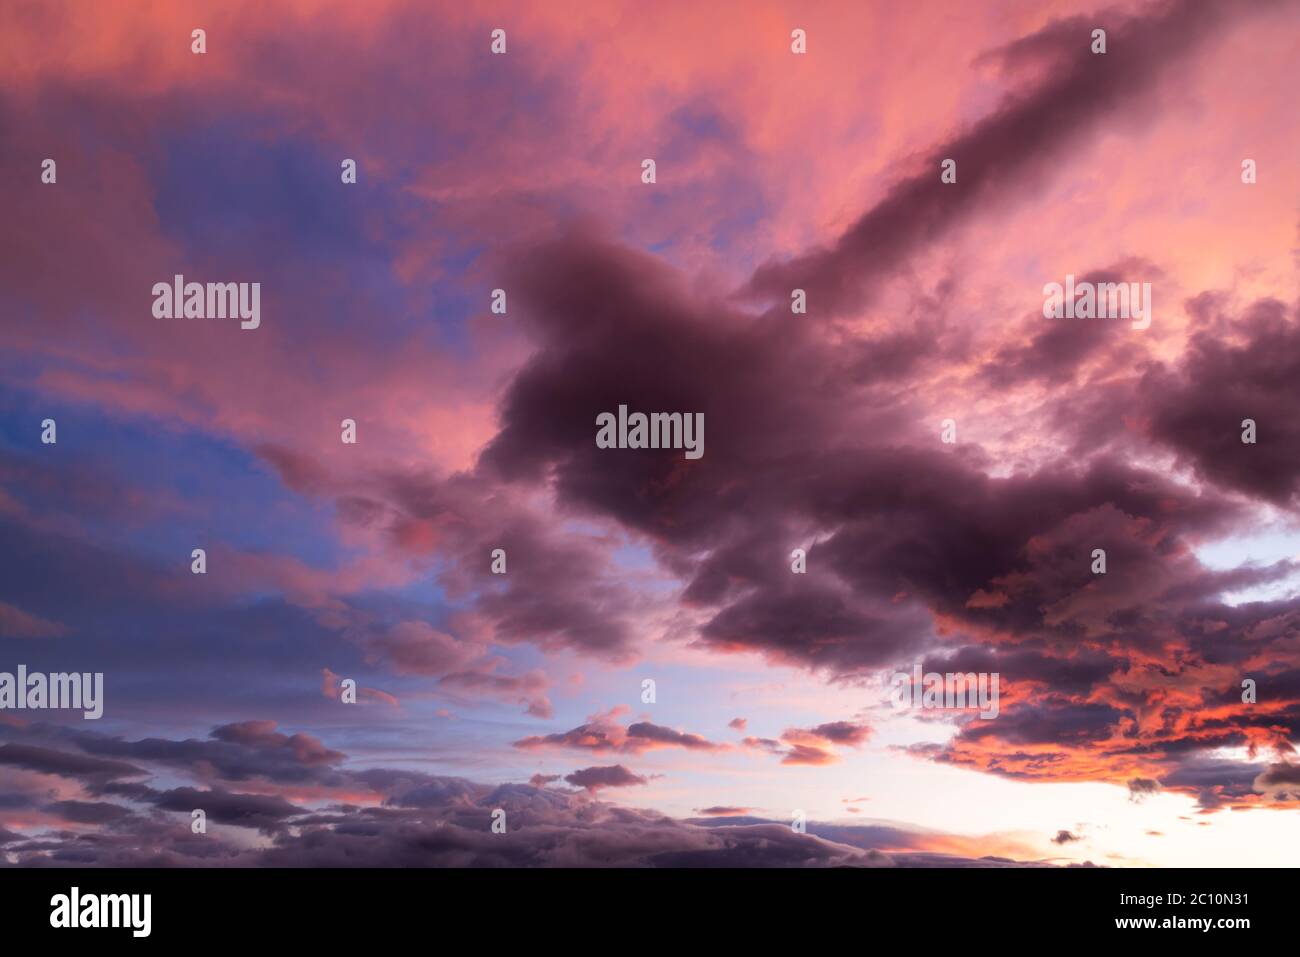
x,y
1122,737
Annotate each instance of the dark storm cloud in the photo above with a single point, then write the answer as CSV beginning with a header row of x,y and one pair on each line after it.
x,y
906,529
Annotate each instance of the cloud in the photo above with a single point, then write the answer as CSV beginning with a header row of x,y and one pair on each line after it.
x,y
1280,781
719,810
1139,789
644,735
603,734
52,761
607,776
265,812
812,746
88,812
241,752
1003,155
1234,370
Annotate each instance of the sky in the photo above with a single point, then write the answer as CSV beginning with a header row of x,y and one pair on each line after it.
x,y
653,679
